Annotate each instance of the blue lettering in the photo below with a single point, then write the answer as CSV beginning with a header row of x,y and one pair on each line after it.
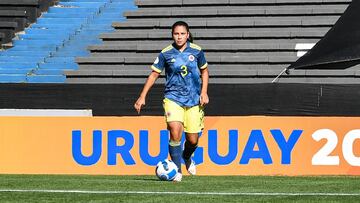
x,y
256,137
286,147
233,146
124,150
255,148
76,148
144,147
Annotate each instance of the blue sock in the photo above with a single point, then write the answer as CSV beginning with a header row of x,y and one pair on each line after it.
x,y
175,151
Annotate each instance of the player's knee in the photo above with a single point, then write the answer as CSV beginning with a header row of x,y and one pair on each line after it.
x,y
175,131
192,140
175,135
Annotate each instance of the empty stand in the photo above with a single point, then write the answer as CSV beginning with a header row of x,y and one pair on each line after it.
x,y
2,36
8,30
15,15
244,41
33,8
48,47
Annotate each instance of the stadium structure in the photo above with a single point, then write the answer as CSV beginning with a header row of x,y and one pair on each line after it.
x,y
81,54
284,88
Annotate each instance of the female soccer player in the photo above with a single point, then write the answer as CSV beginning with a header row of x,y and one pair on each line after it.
x,y
185,93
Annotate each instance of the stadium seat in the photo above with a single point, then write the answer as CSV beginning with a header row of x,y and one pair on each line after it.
x,y
2,37
15,16
32,8
45,78
58,66
8,30
21,13
18,65
12,78
58,36
244,41
25,53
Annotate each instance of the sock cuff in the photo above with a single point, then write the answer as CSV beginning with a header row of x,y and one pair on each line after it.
x,y
174,143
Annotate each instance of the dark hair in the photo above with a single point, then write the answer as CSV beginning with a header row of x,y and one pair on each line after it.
x,y
182,23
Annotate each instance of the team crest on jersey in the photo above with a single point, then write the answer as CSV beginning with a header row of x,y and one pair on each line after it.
x,y
191,58
156,60
173,60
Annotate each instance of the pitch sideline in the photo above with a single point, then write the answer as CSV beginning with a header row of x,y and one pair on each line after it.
x,y
181,193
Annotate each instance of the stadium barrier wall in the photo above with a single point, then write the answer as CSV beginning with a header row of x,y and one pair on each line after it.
x,y
225,99
237,145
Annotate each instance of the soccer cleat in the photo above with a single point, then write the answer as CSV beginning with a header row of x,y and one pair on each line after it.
x,y
190,166
178,177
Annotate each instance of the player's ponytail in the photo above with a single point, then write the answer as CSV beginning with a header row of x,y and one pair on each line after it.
x,y
182,23
191,38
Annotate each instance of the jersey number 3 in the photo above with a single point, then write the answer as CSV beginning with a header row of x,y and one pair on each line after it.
x,y
184,70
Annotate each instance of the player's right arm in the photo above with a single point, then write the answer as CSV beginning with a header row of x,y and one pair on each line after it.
x,y
148,84
157,68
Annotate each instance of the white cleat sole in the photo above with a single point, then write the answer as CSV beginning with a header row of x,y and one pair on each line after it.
x,y
177,178
191,168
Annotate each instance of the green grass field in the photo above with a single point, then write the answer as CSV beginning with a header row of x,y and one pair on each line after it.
x,y
55,188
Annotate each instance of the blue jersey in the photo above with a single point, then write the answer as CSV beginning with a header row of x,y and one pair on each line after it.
x,y
182,70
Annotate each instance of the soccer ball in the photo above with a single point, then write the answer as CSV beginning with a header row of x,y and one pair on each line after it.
x,y
166,170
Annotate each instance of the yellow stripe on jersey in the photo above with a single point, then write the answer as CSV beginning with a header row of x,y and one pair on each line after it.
x,y
194,46
168,48
204,66
155,69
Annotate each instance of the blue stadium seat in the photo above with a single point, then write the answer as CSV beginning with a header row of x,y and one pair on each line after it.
x,y
21,59
59,66
25,53
55,26
60,59
107,20
49,46
48,71
85,0
45,78
35,47
18,65
34,31
72,53
12,78
61,21
14,71
64,36
70,15
72,10
83,4
34,42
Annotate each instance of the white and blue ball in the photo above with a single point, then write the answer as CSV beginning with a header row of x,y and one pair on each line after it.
x,y
166,170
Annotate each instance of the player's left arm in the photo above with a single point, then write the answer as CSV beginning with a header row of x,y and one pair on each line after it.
x,y
204,98
203,66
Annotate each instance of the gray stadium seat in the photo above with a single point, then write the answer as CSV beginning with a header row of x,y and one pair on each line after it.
x,y
8,29
244,40
21,12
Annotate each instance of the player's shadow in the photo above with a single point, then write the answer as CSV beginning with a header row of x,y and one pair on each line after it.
x,y
149,179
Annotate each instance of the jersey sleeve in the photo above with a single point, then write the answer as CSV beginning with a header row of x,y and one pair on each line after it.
x,y
159,63
202,63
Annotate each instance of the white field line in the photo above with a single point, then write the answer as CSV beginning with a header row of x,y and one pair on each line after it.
x,y
183,193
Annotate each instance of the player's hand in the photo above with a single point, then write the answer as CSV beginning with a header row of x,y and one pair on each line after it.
x,y
139,103
204,99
